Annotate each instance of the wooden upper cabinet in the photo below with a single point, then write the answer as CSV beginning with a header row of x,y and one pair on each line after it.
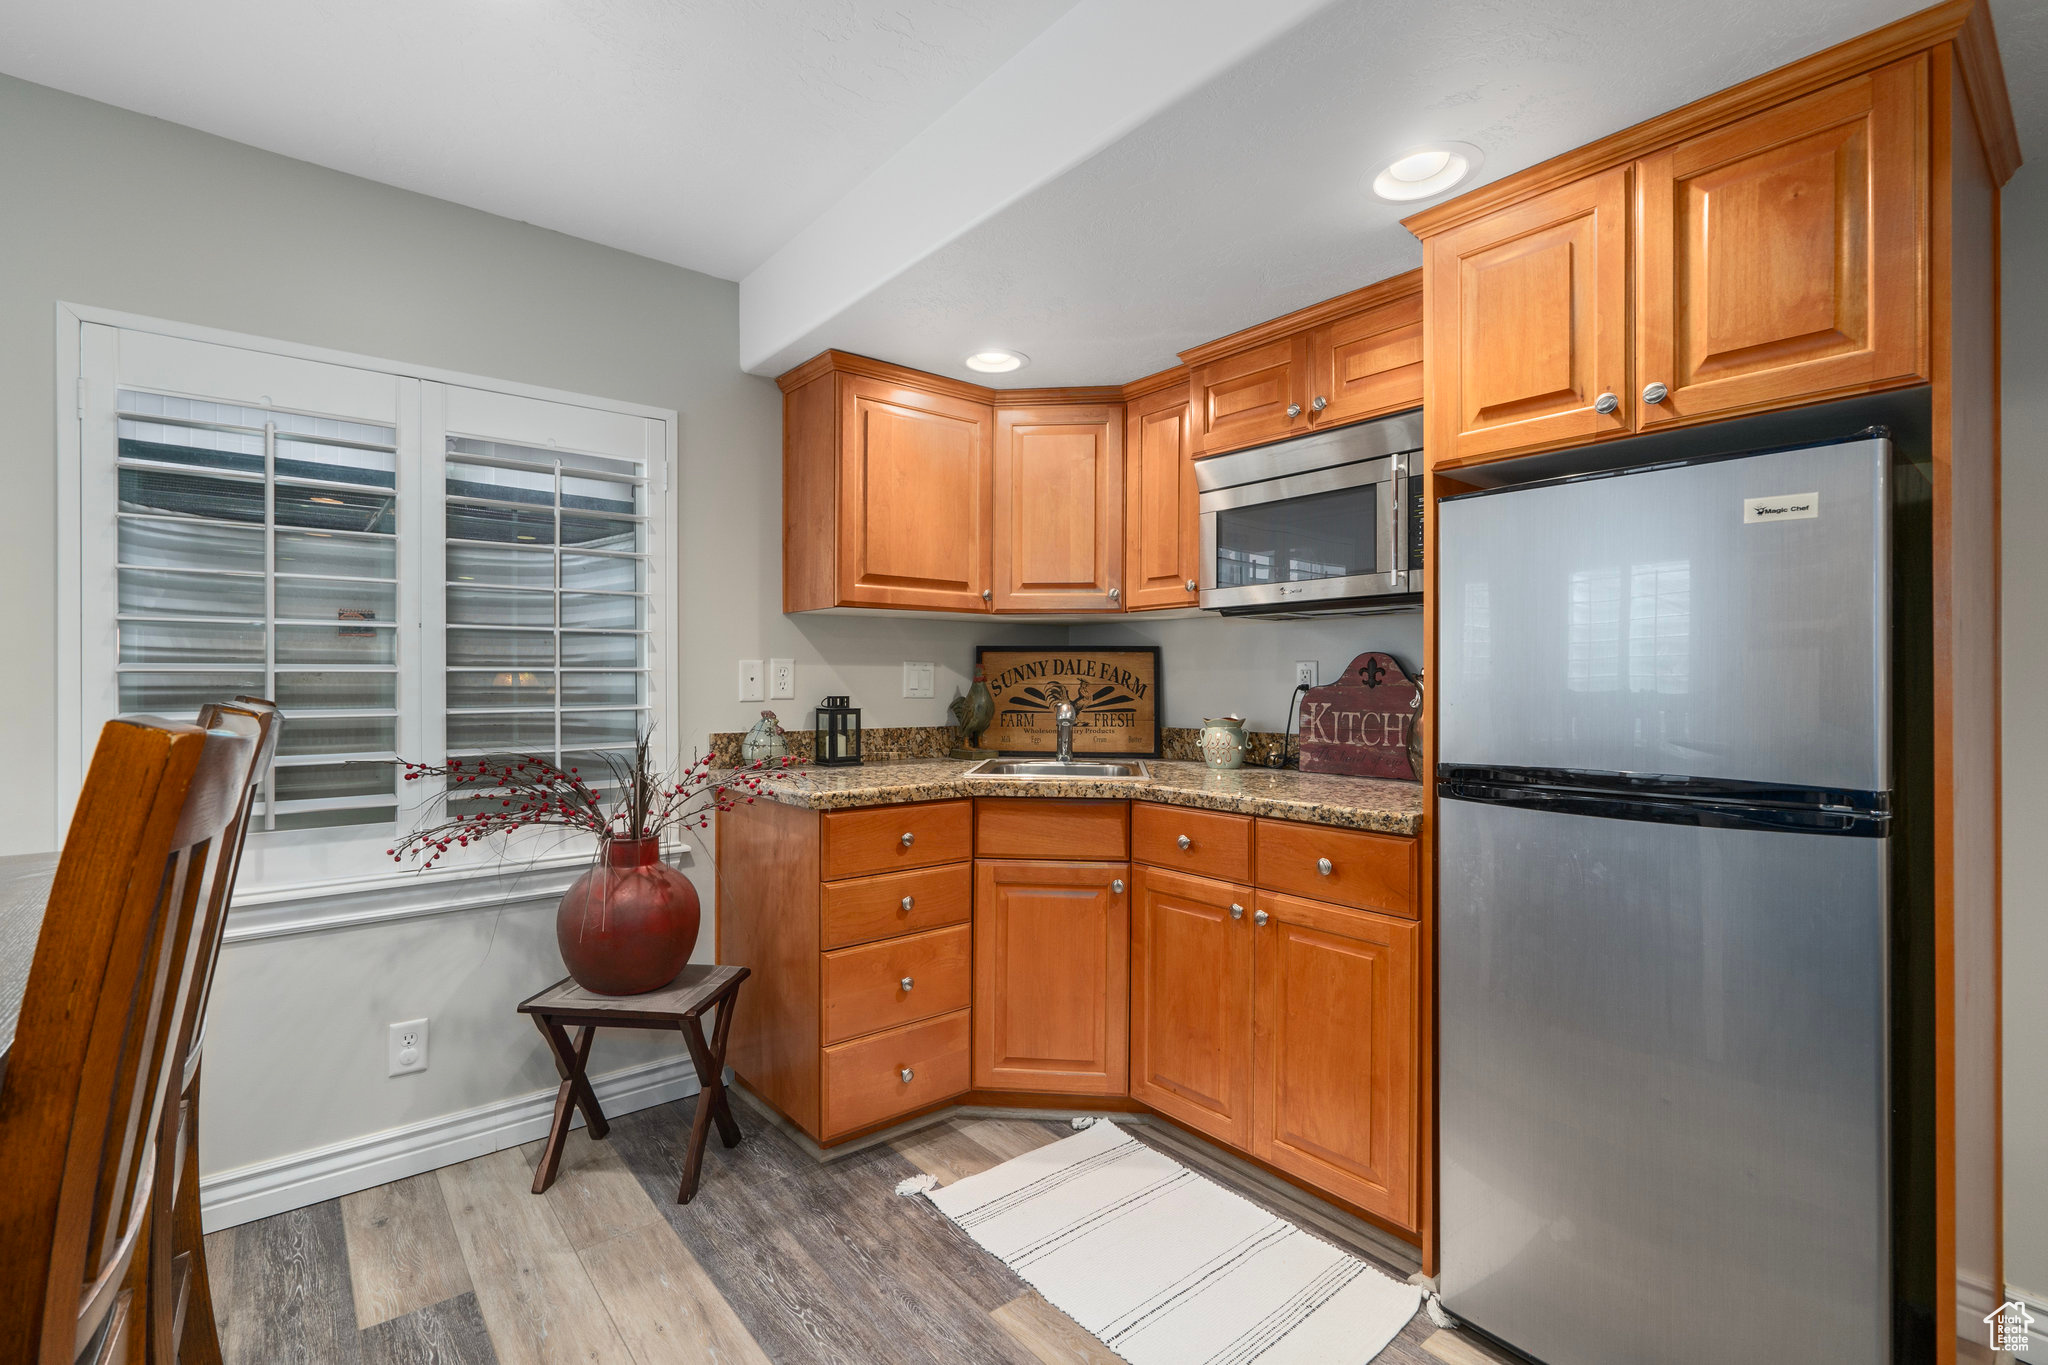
x,y
1780,258
1251,396
914,497
1162,546
1529,323
1367,364
1191,1001
1335,1047
1052,976
1059,508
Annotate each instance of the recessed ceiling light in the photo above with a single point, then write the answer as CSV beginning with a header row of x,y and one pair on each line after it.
x,y
996,362
1427,171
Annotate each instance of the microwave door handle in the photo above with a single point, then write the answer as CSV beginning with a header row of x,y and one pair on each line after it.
x,y
1392,507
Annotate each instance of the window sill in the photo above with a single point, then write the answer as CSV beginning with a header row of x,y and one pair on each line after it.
x,y
260,912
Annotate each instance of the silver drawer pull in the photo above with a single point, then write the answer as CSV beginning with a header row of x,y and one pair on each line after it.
x,y
1323,866
1236,911
909,839
909,901
908,983
1117,886
907,1075
1185,843
1260,917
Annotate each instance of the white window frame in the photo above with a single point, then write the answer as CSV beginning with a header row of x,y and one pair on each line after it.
x,y
283,865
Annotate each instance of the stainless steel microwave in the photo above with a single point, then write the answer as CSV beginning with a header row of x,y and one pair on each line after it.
x,y
1329,523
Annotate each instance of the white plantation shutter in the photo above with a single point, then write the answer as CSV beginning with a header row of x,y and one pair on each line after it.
x,y
408,566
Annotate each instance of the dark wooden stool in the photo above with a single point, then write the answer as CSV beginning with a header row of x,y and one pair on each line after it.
x,y
678,1005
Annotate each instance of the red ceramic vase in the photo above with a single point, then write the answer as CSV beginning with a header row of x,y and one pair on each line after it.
x,y
629,924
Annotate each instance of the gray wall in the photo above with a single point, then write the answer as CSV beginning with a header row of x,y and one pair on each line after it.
x,y
2024,627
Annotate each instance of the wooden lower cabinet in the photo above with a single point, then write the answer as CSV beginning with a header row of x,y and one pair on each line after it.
x,y
1191,1001
1334,1064
1051,976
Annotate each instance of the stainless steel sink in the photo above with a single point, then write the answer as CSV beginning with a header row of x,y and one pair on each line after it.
x,y
1113,769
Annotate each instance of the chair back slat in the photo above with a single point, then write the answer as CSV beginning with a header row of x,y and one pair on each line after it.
x,y
93,1057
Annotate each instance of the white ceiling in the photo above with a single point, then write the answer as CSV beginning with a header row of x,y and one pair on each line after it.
x,y
1097,183
700,132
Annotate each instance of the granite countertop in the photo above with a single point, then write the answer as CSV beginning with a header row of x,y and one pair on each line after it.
x,y
1368,803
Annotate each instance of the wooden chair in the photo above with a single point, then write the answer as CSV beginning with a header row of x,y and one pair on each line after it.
x,y
180,1296
93,1057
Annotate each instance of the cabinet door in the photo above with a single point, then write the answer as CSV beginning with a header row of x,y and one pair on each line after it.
x,y
1781,258
1367,364
1052,978
1253,396
1059,508
1162,544
1334,1099
914,484
1528,323
1191,1001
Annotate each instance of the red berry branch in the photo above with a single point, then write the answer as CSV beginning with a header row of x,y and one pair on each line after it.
x,y
522,791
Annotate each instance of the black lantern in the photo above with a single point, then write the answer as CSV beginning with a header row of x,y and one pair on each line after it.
x,y
838,740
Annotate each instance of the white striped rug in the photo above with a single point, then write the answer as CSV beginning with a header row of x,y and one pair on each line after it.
x,y
1168,1268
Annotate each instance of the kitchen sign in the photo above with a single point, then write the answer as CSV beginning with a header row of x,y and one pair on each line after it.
x,y
1116,689
1359,724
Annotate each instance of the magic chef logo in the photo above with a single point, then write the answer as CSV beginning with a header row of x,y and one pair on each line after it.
x,y
1107,695
1788,507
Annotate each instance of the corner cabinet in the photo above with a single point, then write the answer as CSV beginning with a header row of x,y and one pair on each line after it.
x,y
1051,976
1059,508
1162,546
1777,261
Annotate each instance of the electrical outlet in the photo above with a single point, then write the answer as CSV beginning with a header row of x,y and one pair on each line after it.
x,y
753,686
919,680
1305,672
405,1047
782,680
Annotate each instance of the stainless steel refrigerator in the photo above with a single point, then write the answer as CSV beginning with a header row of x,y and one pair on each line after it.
x,y
1665,774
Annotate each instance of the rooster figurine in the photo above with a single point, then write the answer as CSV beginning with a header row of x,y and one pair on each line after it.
x,y
972,713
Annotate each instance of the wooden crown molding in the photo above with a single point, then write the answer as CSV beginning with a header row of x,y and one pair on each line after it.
x,y
1966,22
1175,378
1315,315
846,362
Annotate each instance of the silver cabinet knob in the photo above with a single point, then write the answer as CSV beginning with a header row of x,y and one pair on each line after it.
x,y
1320,403
1606,403
1117,886
907,1075
909,901
909,839
1115,593
1185,843
1655,393
1323,866
1191,585
1236,911
987,594
1294,409
908,982
1260,917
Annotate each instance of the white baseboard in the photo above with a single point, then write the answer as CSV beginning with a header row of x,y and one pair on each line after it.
x,y
292,1182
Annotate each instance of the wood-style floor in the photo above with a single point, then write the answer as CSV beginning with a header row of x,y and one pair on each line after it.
x,y
779,1258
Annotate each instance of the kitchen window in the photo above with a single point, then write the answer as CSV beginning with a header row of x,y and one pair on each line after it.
x,y
409,565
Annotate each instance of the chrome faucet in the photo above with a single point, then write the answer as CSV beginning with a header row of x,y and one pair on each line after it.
x,y
1064,714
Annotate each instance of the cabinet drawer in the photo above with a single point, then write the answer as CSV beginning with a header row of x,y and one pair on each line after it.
x,y
1369,871
864,1080
1217,845
886,838
868,908
864,990
1035,827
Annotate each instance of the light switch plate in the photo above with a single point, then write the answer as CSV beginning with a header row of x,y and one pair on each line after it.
x,y
753,686
1305,672
919,679
782,680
